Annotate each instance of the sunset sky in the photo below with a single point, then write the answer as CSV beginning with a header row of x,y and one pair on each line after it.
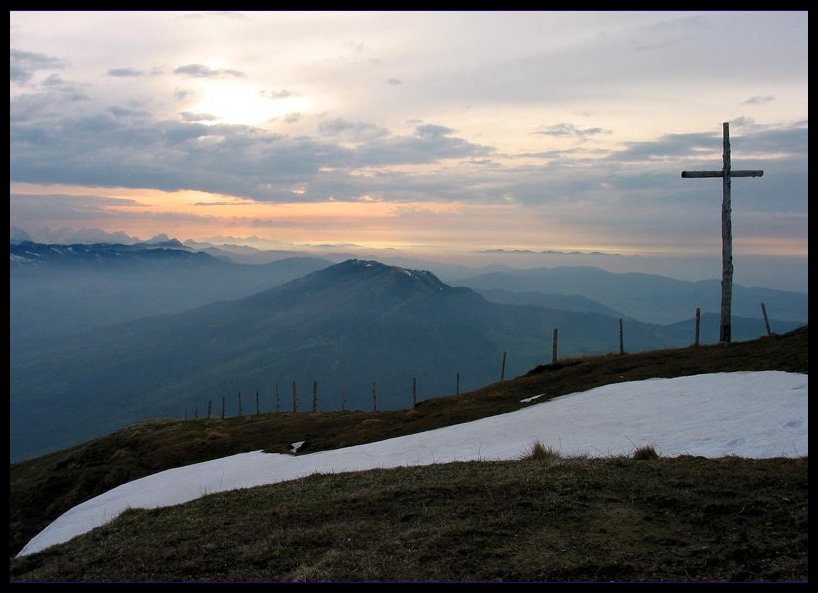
x,y
456,134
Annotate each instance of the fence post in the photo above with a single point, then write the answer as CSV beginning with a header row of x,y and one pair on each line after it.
x,y
295,400
621,338
314,396
554,347
278,399
195,411
374,399
239,404
414,391
503,368
457,392
343,400
222,407
209,402
258,411
698,323
766,321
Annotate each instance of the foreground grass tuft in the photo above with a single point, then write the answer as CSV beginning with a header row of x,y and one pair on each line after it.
x,y
541,453
645,452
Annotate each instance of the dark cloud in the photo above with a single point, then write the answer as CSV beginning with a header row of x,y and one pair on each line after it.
x,y
110,149
23,64
430,143
202,71
126,112
125,72
792,140
433,131
394,81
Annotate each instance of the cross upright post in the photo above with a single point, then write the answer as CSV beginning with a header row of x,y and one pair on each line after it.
x,y
726,175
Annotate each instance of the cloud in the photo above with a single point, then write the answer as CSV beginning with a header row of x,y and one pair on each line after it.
x,y
758,100
501,251
61,206
24,64
282,94
194,117
356,46
231,203
394,81
354,131
125,72
570,131
202,71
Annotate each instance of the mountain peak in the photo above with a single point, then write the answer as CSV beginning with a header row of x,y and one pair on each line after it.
x,y
363,268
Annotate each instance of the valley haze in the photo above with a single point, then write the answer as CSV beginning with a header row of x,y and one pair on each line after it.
x,y
107,334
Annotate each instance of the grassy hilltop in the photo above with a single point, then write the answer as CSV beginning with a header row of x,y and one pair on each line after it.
x,y
543,518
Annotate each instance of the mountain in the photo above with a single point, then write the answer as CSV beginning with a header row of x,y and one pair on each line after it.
x,y
61,290
646,297
357,334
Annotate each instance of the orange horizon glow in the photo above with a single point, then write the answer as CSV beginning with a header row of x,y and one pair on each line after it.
x,y
416,226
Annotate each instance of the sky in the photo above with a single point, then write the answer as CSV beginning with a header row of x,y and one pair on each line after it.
x,y
747,414
471,137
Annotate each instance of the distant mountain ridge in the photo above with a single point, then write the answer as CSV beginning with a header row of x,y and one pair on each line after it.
x,y
646,297
31,253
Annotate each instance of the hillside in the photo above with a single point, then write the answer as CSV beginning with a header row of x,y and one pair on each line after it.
x,y
68,477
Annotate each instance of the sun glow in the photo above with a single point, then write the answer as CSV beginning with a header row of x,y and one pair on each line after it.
x,y
244,105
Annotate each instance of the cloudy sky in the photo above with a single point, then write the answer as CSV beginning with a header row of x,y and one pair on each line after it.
x,y
749,414
458,133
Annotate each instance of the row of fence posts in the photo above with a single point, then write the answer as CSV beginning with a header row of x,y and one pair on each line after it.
x,y
554,350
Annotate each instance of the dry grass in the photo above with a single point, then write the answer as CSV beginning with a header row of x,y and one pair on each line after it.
x,y
611,519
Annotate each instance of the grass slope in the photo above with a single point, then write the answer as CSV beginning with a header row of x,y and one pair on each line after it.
x,y
623,519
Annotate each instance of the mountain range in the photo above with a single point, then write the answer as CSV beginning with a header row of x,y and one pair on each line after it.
x,y
358,334
60,290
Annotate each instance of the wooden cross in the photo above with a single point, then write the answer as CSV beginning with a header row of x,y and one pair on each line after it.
x,y
726,175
